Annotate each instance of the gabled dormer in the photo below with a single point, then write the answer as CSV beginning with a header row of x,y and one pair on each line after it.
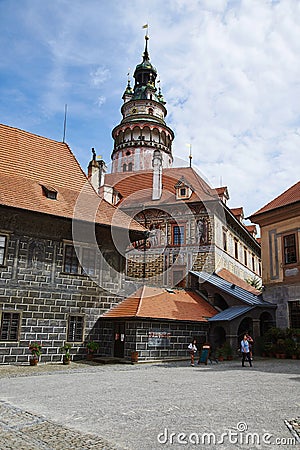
x,y
183,189
223,194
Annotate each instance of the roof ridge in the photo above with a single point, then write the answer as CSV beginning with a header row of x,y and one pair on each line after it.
x,y
266,208
33,134
140,300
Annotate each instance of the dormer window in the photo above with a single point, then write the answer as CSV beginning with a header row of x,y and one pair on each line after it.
x,y
49,192
183,189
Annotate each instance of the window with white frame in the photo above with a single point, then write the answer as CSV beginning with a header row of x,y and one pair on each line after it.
x,y
236,249
245,256
75,328
3,244
178,234
10,325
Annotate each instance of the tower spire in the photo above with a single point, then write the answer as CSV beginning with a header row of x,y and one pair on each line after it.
x,y
143,128
146,53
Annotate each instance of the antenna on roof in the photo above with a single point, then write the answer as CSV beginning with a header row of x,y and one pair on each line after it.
x,y
190,155
65,123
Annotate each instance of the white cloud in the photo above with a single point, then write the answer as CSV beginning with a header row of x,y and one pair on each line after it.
x,y
99,75
100,100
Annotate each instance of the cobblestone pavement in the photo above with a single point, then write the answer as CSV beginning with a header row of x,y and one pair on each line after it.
x,y
150,406
25,431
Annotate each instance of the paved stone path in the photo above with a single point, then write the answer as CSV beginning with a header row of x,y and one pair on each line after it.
x,y
150,406
25,431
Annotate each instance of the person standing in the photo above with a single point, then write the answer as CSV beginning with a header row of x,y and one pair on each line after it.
x,y
192,349
250,340
245,349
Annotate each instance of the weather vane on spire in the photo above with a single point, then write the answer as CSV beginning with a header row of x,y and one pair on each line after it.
x,y
146,54
146,27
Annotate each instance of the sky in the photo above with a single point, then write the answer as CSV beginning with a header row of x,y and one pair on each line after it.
x,y
229,71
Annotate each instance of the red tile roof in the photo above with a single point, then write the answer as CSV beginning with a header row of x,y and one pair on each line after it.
x,y
28,162
223,192
157,303
238,212
252,229
234,279
290,196
136,187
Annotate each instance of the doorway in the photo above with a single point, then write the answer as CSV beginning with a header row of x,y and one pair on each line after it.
x,y
119,339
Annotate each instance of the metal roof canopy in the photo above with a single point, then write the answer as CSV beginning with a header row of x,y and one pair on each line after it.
x,y
231,313
231,289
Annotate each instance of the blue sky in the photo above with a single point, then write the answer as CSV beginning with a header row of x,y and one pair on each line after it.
x,y
229,73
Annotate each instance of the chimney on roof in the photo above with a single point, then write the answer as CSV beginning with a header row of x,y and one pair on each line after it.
x,y
157,175
96,171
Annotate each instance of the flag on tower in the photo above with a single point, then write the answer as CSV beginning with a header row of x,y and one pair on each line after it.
x,y
145,26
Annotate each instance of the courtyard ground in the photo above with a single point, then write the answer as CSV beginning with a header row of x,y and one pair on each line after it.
x,y
151,406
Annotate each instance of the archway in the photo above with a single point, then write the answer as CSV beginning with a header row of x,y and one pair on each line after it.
x,y
244,327
219,302
218,337
266,322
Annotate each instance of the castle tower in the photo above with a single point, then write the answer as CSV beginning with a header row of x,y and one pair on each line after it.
x,y
142,129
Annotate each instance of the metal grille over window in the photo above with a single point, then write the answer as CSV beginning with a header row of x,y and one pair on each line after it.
x,y
9,326
71,261
75,329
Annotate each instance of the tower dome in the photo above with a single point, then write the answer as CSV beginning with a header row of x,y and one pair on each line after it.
x,y
142,129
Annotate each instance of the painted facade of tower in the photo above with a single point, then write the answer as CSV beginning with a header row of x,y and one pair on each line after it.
x,y
143,128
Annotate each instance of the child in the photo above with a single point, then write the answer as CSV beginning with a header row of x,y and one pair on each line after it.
x,y
192,349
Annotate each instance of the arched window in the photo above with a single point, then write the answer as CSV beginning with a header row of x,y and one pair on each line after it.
x,y
124,167
127,135
150,111
130,167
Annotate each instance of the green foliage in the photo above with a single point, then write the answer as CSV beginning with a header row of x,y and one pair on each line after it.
x,y
227,349
290,347
255,282
66,349
281,340
35,348
92,346
273,334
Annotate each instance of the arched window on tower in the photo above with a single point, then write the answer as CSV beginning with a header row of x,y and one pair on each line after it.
x,y
150,111
124,167
130,167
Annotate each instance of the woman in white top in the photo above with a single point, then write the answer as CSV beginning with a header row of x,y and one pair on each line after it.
x,y
192,349
245,349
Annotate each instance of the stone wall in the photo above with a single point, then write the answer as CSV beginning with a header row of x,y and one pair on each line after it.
x,y
281,295
32,283
140,336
